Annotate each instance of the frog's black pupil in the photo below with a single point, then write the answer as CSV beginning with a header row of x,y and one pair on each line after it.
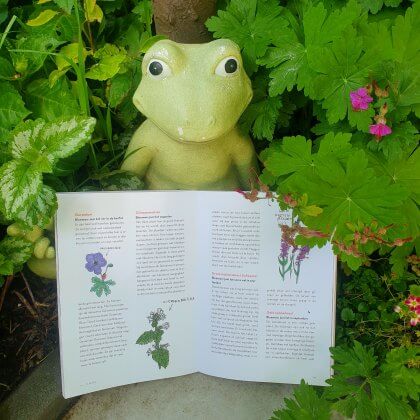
x,y
155,68
231,65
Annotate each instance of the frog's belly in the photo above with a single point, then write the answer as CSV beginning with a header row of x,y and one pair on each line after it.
x,y
200,170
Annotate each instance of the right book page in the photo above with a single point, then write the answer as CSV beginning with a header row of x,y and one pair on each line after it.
x,y
267,308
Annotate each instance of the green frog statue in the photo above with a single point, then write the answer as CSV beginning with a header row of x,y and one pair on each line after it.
x,y
192,96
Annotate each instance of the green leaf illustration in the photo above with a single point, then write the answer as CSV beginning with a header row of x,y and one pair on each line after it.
x,y
161,357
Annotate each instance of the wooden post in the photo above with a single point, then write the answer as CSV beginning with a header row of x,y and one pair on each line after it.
x,y
183,20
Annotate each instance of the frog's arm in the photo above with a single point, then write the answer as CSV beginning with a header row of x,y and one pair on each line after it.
x,y
244,158
138,155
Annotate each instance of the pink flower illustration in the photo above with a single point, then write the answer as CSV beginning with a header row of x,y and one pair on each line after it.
x,y
360,99
379,130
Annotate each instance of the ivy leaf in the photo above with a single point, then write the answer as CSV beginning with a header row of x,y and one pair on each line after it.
x,y
251,24
49,102
161,357
12,108
306,405
110,60
14,252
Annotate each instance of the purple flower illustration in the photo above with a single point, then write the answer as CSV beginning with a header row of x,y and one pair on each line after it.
x,y
284,249
95,262
303,253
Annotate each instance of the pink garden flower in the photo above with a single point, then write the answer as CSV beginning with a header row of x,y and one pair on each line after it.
x,y
379,130
416,318
413,302
360,99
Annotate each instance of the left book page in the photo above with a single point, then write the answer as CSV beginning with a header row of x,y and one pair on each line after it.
x,y
125,288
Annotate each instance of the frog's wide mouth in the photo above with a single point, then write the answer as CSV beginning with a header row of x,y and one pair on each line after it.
x,y
191,135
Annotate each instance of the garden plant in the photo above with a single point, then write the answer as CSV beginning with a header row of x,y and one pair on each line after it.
x,y
334,119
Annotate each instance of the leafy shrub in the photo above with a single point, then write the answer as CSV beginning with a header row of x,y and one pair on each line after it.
x,y
334,118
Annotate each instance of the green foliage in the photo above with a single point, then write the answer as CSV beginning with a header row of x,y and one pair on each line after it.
x,y
101,286
306,405
327,52
158,351
35,147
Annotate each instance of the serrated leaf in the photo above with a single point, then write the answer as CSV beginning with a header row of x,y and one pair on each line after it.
x,y
44,17
353,194
49,102
27,63
7,72
41,211
93,12
161,357
54,140
15,251
354,362
262,117
66,5
252,25
345,67
71,52
110,60
21,183
306,405
290,55
146,338
12,108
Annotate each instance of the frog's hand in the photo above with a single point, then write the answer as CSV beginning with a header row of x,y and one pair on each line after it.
x,y
245,159
42,262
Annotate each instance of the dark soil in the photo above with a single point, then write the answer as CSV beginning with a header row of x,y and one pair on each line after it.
x,y
28,327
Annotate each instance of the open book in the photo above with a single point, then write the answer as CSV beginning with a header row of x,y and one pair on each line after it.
x,y
160,284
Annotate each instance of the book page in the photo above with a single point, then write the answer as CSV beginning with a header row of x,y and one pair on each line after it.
x,y
125,263
267,309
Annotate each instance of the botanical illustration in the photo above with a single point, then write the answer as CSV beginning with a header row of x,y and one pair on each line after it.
x,y
97,264
158,351
290,259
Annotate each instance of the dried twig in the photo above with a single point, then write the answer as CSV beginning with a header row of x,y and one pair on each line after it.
x,y
26,303
34,302
6,286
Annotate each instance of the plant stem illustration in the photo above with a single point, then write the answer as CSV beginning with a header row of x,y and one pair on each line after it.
x,y
96,263
158,351
291,255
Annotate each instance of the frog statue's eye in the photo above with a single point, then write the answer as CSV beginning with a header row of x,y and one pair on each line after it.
x,y
158,69
227,67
